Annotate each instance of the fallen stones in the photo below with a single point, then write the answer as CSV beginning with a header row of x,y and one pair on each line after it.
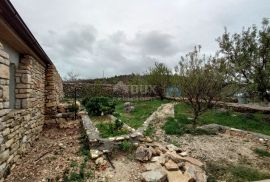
x,y
171,166
95,153
143,154
178,176
157,175
152,166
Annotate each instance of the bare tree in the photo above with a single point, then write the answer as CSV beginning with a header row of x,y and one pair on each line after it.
x,y
199,80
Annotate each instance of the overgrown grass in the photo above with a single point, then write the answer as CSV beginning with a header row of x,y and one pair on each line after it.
x,y
143,109
108,130
238,173
262,153
245,121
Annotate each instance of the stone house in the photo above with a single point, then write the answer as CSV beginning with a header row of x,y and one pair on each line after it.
x,y
30,88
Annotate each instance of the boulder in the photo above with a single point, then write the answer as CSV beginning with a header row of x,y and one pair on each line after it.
x,y
159,159
178,176
172,148
152,166
195,172
157,175
95,153
143,154
213,128
171,166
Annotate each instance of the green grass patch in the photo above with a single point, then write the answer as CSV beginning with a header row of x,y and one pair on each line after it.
x,y
108,130
262,153
220,171
143,109
150,130
181,125
245,121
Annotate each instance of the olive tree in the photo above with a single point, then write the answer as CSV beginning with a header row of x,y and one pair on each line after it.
x,y
247,59
159,76
199,80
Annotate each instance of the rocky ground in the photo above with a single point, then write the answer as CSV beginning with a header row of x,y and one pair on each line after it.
x,y
58,154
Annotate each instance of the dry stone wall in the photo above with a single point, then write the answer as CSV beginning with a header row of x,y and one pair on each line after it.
x,y
21,125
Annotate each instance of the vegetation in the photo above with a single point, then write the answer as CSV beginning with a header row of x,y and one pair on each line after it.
x,y
150,130
238,173
247,59
159,76
252,122
262,153
126,146
143,109
199,80
78,173
99,105
110,130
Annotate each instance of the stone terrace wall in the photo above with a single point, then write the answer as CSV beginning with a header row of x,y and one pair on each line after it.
x,y
54,93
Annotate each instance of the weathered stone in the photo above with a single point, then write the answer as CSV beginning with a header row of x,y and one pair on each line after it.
x,y
95,153
5,94
152,166
172,148
160,159
195,172
4,156
4,70
26,78
171,166
3,54
157,175
9,142
100,161
6,132
177,176
183,154
143,154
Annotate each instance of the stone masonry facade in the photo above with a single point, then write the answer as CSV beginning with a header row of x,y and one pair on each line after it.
x,y
38,89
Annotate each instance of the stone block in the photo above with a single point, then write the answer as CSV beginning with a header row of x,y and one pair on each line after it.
x,y
4,71
26,78
9,142
4,156
5,92
4,61
3,54
26,103
22,96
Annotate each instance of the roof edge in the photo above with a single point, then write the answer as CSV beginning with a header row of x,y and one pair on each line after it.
x,y
12,17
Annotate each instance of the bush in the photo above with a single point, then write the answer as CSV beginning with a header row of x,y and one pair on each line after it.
x,y
98,105
118,124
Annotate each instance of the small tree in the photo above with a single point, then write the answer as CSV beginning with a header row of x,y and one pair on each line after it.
x,y
73,77
199,80
160,77
247,59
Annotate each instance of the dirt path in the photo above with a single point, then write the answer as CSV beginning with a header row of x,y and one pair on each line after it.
x,y
49,158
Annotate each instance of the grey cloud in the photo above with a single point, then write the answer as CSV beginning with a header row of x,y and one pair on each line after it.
x,y
155,43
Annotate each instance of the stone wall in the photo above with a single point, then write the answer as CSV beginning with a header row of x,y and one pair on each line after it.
x,y
54,93
21,125
110,90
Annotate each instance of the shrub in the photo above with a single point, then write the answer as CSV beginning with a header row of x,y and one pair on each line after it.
x,y
262,153
98,105
118,124
126,146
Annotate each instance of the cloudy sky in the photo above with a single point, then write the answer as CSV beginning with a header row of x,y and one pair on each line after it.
x,y
125,36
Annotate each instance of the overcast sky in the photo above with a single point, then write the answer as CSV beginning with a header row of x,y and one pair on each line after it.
x,y
125,36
